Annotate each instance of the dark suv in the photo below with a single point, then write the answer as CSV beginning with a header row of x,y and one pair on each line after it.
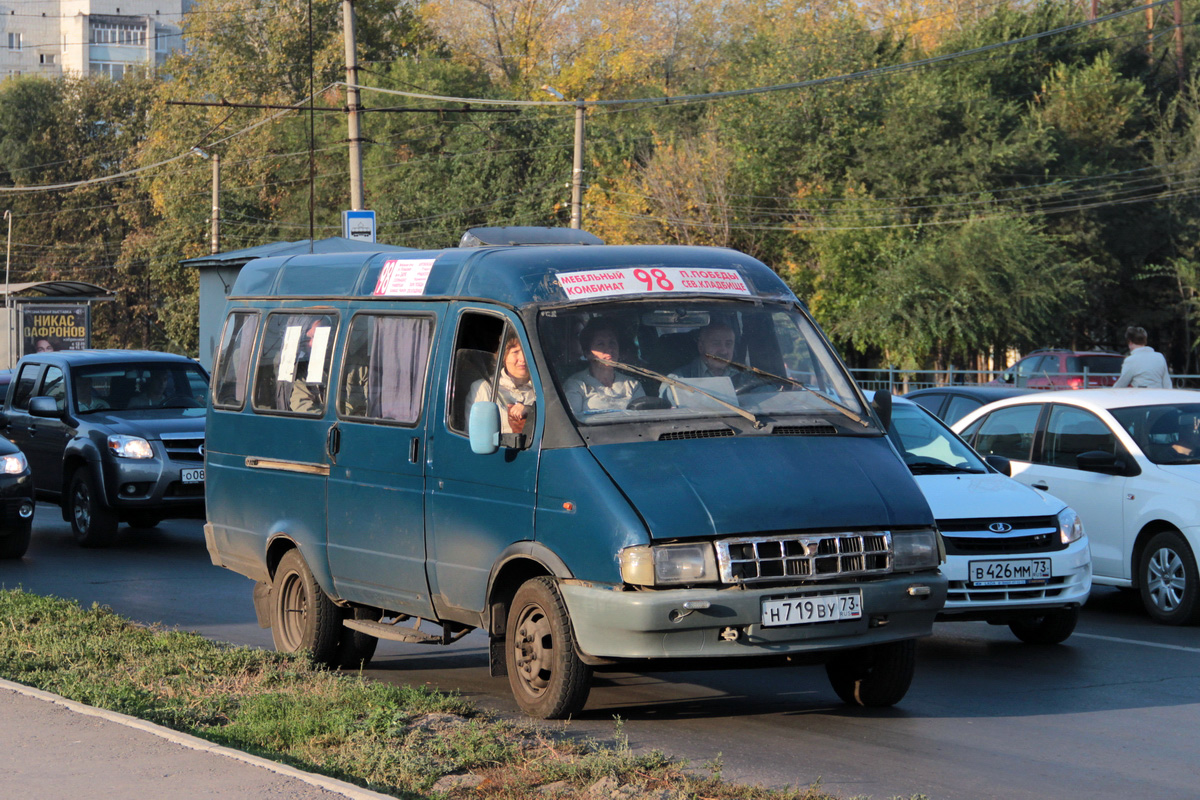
x,y
1062,369
111,435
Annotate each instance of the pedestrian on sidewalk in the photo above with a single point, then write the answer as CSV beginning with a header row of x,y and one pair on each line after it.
x,y
1143,367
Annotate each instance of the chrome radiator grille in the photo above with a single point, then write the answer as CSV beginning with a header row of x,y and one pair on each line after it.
x,y
811,556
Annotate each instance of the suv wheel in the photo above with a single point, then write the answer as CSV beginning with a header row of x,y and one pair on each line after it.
x,y
92,521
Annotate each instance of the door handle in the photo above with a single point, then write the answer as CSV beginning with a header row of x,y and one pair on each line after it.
x,y
1041,485
333,442
414,450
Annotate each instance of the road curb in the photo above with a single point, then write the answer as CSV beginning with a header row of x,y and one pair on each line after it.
x,y
196,743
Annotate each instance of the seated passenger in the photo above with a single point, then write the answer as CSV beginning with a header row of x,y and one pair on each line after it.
x,y
154,394
1188,443
85,400
600,387
516,397
716,339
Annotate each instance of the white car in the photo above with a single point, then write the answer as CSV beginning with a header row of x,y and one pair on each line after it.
x,y
1128,460
1014,556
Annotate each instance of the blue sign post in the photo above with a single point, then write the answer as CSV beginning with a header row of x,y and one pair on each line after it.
x,y
359,225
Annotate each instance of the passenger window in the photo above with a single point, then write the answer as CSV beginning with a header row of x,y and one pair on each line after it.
x,y
1072,431
383,372
1009,432
293,364
26,380
54,386
1028,368
232,374
958,408
489,362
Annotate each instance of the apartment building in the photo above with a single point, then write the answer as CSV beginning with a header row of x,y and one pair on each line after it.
x,y
87,37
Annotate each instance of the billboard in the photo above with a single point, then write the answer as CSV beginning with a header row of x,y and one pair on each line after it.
x,y
54,327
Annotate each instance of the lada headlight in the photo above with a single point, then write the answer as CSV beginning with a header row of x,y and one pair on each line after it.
x,y
14,464
130,446
668,564
915,550
1070,527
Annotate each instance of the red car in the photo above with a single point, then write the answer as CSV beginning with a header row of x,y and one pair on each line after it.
x,y
1062,369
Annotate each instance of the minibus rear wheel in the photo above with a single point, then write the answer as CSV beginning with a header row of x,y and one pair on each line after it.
x,y
547,678
302,615
874,676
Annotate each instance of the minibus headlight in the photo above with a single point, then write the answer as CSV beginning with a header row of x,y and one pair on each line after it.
x,y
130,446
1070,527
666,565
914,550
14,464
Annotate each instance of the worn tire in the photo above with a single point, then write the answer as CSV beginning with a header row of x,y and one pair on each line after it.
x,y
16,543
303,618
356,649
92,521
874,676
1168,580
1051,627
547,678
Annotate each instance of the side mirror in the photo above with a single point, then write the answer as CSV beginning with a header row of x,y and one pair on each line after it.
x,y
484,428
45,407
882,405
1006,377
999,463
1100,461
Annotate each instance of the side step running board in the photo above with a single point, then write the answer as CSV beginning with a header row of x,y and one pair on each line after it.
x,y
382,630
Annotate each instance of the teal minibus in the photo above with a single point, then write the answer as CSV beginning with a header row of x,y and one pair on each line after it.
x,y
603,457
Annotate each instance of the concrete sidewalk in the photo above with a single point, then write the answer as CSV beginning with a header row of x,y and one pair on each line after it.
x,y
57,749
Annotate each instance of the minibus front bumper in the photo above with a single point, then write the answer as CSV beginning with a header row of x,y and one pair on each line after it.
x,y
610,623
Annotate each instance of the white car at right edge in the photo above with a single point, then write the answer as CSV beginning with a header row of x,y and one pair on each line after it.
x,y
1128,461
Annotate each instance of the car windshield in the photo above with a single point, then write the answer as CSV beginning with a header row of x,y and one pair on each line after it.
x,y
927,445
121,387
632,361
1168,434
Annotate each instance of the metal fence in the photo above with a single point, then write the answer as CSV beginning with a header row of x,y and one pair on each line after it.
x,y
902,381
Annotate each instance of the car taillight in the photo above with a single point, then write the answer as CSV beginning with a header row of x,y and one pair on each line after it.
x,y
1075,383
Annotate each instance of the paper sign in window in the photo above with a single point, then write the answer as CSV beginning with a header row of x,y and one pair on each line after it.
x,y
287,356
404,276
316,359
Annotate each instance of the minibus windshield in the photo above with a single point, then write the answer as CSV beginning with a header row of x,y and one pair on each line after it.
x,y
628,361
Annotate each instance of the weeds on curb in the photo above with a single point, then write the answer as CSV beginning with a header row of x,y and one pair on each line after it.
x,y
407,741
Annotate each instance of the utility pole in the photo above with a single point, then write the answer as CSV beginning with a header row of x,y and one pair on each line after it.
x,y
577,171
8,304
215,243
352,104
1179,63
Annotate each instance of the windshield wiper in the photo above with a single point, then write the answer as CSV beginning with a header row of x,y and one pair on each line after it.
x,y
763,373
939,466
658,376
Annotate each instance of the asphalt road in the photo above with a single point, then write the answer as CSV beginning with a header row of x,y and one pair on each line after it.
x,y
1112,713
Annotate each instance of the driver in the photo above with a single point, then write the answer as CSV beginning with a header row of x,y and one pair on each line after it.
x,y
600,387
715,345
155,393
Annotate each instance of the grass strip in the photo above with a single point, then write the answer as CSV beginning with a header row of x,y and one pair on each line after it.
x,y
409,742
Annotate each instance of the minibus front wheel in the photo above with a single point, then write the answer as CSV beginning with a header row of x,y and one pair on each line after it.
x,y
302,615
874,676
547,678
